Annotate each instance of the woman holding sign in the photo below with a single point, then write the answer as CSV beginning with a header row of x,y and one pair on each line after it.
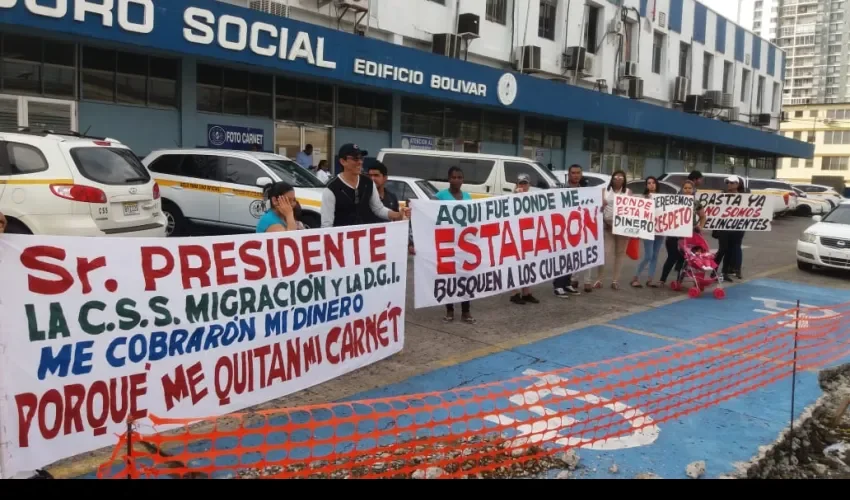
x,y
650,247
614,244
674,257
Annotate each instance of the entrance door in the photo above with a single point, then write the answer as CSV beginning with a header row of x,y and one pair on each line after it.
x,y
37,113
292,138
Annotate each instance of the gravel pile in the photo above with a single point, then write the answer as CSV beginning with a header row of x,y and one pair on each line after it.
x,y
818,447
434,461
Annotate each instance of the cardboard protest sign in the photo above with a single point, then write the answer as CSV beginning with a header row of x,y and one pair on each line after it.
x,y
634,216
93,334
674,215
737,212
473,249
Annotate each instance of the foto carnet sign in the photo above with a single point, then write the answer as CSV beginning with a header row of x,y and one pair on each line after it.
x,y
737,212
185,328
473,249
230,137
634,216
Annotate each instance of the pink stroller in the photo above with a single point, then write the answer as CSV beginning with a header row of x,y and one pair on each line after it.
x,y
699,267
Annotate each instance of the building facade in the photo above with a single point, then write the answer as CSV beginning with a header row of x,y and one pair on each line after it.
x,y
827,127
600,84
766,18
815,35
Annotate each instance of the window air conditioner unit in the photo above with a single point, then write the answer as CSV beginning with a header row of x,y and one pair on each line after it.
x,y
274,7
713,98
528,57
732,114
587,69
629,69
446,44
467,25
574,58
727,101
694,103
636,88
680,89
358,5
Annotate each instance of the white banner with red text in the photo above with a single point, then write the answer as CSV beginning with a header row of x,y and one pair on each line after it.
x,y
468,250
674,215
95,332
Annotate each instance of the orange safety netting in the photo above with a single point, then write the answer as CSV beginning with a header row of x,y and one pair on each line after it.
x,y
481,430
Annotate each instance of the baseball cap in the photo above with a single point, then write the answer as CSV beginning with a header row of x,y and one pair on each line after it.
x,y
350,149
733,178
521,178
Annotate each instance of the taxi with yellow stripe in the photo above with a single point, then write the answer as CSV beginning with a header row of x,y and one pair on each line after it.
x,y
224,188
68,184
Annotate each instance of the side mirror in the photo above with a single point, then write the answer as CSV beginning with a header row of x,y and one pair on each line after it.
x,y
264,181
817,218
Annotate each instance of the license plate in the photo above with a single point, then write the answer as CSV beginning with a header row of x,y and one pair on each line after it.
x,y
131,209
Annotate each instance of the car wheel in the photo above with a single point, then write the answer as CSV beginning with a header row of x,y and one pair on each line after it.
x,y
804,266
311,220
804,211
175,223
14,226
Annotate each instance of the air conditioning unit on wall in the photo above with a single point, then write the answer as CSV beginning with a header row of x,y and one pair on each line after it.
x,y
274,7
528,56
681,86
629,69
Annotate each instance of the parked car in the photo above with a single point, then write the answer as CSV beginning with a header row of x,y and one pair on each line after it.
x,y
638,186
224,188
820,192
827,242
593,178
410,188
777,188
72,185
810,206
484,175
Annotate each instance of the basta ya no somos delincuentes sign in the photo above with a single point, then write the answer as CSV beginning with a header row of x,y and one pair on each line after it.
x,y
183,328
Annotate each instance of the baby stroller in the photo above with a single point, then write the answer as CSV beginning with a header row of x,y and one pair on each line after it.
x,y
699,267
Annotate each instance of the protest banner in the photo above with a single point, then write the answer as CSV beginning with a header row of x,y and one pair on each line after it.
x,y
674,215
634,216
737,211
96,332
467,250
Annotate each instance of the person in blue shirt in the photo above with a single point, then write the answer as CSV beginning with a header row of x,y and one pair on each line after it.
x,y
305,158
454,192
283,207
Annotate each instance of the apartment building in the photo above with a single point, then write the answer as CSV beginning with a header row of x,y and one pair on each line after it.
x,y
815,35
827,127
646,85
766,18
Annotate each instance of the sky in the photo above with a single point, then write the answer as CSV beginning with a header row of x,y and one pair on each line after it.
x,y
729,9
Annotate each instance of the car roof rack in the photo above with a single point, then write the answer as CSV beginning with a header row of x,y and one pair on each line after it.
x,y
69,133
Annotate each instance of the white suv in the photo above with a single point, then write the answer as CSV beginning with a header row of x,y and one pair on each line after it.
x,y
224,188
72,185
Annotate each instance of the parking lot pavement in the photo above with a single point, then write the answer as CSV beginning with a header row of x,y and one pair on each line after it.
x,y
503,326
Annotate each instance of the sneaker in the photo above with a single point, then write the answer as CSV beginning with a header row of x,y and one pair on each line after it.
x,y
572,290
561,293
517,299
531,299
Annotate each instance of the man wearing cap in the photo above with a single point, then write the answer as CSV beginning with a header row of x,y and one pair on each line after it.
x,y
351,198
523,296
564,286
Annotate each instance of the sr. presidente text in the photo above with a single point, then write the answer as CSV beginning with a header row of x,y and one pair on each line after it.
x,y
488,234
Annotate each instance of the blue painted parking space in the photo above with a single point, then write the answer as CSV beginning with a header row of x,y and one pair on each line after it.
x,y
733,410
723,430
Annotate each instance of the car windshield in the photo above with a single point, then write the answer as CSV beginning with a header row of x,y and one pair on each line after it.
x,y
548,173
112,166
841,215
429,189
294,174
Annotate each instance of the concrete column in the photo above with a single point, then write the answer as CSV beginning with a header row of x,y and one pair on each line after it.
x,y
188,102
395,134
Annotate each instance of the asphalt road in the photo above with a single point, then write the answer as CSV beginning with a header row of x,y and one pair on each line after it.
x,y
502,326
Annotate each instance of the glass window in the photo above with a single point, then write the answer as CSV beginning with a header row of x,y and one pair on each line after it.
x,y
546,19
293,174
167,164
201,167
129,78
34,66
25,159
513,169
421,117
240,171
361,109
109,165
303,101
544,133
497,11
234,92
499,127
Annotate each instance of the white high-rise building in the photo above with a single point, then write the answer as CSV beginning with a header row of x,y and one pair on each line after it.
x,y
765,17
